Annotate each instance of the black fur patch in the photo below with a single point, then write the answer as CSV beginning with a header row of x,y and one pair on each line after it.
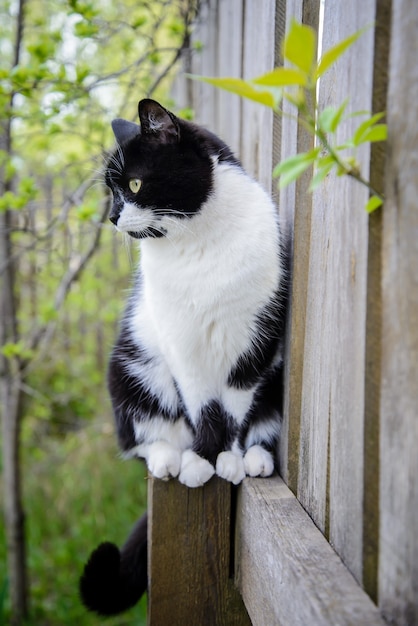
x,y
113,580
177,175
130,398
215,431
268,401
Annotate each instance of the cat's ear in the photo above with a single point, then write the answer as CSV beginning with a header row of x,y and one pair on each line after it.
x,y
157,123
124,130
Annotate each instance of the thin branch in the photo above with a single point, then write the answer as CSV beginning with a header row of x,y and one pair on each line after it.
x,y
44,333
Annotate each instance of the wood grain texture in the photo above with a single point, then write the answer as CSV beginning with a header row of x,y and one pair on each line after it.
x,y
190,569
331,453
398,564
295,211
374,314
229,63
257,120
287,572
204,63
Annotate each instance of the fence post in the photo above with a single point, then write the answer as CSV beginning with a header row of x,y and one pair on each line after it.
x,y
398,557
191,556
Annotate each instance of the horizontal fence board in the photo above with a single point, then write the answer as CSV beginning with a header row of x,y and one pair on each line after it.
x,y
287,572
398,562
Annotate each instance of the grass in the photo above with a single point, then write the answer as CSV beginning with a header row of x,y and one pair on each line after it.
x,y
77,494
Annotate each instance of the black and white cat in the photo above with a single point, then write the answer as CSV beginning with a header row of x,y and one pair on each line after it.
x,y
195,376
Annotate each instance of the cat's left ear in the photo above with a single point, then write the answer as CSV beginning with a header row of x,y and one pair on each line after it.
x,y
157,123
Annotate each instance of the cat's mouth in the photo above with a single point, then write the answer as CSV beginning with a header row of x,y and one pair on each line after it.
x,y
150,232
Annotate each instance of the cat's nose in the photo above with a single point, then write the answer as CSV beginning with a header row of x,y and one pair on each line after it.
x,y
114,216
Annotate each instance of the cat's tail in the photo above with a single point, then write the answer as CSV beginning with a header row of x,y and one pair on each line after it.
x,y
114,580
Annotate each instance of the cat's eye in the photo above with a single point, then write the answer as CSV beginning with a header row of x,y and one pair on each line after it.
x,y
135,185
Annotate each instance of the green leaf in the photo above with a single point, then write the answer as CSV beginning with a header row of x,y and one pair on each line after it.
x,y
282,77
299,46
330,56
268,96
369,130
290,169
376,133
330,117
374,203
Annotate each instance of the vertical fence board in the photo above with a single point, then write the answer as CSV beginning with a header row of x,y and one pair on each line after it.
x,y
295,209
204,63
331,462
230,23
398,565
374,315
257,121
189,569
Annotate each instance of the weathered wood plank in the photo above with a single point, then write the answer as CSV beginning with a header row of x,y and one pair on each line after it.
x,y
190,571
374,315
287,572
398,563
204,63
257,121
229,63
331,461
295,211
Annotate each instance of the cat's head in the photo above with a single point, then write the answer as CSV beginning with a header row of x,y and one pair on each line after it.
x,y
161,172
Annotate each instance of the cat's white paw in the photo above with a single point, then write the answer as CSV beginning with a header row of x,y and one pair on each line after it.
x,y
163,460
230,466
258,462
195,471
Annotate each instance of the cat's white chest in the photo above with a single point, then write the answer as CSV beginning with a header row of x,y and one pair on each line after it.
x,y
201,292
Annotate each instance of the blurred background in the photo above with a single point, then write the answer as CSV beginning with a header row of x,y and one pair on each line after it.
x,y
67,67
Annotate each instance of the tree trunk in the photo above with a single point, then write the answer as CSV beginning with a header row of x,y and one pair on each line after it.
x,y
11,402
11,383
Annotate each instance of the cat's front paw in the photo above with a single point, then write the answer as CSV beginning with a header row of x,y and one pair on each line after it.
x,y
230,467
258,462
195,471
163,460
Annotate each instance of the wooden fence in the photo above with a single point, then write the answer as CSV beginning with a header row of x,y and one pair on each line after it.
x,y
335,540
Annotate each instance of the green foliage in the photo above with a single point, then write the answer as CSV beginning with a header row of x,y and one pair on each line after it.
x,y
297,83
71,506
80,63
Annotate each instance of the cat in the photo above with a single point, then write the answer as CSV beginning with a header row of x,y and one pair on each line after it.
x,y
195,376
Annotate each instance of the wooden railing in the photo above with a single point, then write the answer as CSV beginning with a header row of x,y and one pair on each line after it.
x,y
335,540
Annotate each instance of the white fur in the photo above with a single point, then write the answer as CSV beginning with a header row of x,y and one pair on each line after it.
x,y
204,284
264,431
202,288
230,467
194,471
163,460
258,462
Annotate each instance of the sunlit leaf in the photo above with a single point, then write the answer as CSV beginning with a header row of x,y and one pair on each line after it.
x,y
263,95
364,130
282,77
374,203
290,169
330,117
299,46
333,54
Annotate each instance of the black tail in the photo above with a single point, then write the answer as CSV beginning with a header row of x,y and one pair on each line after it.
x,y
114,580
